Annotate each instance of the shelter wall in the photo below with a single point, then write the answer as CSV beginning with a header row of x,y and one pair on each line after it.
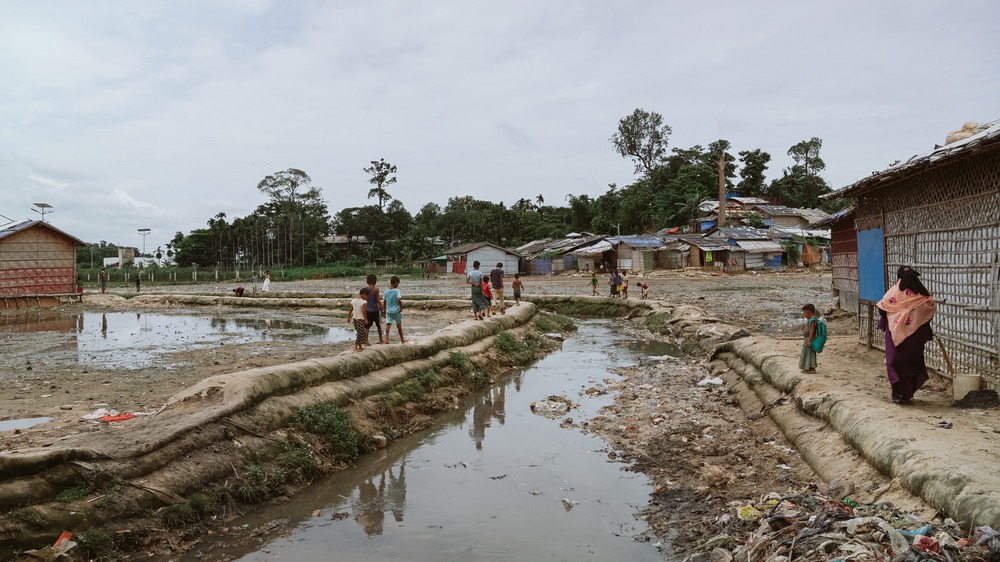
x,y
945,222
37,261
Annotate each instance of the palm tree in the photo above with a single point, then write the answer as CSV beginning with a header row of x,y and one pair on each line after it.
x,y
540,200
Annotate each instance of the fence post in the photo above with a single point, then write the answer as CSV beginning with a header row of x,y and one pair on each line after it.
x,y
216,274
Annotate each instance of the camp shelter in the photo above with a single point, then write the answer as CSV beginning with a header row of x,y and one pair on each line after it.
x,y
813,243
37,264
548,256
636,253
594,255
675,254
938,212
708,252
751,248
843,257
461,258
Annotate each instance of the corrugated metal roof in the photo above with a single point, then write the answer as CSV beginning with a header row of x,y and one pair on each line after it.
x,y
466,248
20,227
594,249
738,233
759,246
804,232
985,140
642,242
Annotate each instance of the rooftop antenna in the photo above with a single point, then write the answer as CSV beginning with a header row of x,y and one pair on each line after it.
x,y
8,219
43,209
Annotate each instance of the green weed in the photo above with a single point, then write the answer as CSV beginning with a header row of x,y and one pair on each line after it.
x,y
299,462
657,323
259,482
73,494
28,517
460,361
333,424
98,544
191,512
587,309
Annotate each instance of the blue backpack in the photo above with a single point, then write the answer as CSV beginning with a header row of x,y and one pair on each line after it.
x,y
820,340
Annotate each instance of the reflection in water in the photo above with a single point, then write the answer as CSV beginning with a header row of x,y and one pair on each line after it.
x,y
121,340
467,501
372,502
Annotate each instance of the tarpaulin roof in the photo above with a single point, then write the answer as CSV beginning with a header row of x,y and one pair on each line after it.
x,y
598,248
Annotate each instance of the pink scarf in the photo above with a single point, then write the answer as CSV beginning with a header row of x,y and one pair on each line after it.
x,y
906,311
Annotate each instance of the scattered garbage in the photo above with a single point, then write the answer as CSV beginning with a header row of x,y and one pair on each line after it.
x,y
568,504
553,406
714,381
806,526
58,551
116,417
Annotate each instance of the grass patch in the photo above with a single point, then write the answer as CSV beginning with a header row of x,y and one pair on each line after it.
x,y
184,514
520,352
460,361
689,346
112,490
587,309
657,323
431,378
76,493
259,483
477,378
333,424
299,463
27,517
98,544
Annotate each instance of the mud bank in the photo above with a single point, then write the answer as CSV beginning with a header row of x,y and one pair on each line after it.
x,y
209,431
930,462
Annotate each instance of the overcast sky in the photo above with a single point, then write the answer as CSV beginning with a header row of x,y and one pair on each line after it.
x,y
126,115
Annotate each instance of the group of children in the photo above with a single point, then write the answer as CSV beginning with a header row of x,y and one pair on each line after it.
x,y
488,291
371,306
619,285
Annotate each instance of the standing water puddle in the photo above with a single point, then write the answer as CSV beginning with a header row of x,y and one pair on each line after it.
x,y
21,423
133,340
490,482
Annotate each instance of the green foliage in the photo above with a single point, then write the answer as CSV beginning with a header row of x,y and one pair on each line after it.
x,y
383,174
331,423
752,182
505,342
28,517
689,346
73,494
585,310
754,220
520,352
98,545
642,136
460,361
299,462
260,482
656,322
792,250
801,185
187,513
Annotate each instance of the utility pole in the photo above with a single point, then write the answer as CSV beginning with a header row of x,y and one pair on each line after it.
x,y
43,209
722,190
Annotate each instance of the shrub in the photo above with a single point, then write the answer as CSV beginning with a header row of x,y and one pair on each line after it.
x,y
73,494
299,462
460,361
331,423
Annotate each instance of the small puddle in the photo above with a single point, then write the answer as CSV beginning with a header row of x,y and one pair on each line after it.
x,y
23,423
133,340
492,481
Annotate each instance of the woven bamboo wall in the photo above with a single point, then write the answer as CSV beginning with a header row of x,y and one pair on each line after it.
x,y
37,261
945,222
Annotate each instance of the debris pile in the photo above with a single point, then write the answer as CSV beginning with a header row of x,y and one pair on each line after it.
x,y
810,526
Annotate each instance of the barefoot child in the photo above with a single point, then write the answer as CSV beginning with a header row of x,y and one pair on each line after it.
x,y
593,284
488,294
375,309
356,316
645,291
807,360
392,302
518,286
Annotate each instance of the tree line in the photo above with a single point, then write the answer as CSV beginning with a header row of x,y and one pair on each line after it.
x,y
669,188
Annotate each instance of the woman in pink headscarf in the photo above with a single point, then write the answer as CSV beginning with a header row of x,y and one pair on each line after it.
x,y
906,310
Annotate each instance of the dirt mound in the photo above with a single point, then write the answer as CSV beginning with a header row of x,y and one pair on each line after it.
x,y
979,399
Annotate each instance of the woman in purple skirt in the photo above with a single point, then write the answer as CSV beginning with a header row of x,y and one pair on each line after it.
x,y
906,311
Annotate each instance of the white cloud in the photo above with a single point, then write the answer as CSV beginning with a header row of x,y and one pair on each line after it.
x,y
129,116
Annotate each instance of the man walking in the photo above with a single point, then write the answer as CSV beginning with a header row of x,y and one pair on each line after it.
x,y
496,280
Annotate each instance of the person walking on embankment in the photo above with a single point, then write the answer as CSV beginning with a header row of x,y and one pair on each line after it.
x,y
906,311
479,302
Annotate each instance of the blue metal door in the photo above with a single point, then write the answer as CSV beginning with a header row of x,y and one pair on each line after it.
x,y
871,264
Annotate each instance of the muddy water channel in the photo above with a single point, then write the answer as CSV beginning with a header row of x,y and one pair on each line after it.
x,y
492,481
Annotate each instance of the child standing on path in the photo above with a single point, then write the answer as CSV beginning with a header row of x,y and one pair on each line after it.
x,y
488,294
645,291
266,287
375,309
518,286
807,360
356,316
593,284
392,302
102,278
624,283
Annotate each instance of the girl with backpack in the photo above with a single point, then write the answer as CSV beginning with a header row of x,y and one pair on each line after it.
x,y
814,338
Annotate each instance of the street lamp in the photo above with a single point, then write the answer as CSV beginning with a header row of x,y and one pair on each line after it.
x,y
143,232
43,209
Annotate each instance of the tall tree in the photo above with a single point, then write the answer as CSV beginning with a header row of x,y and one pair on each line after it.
x,y
800,185
806,154
752,182
383,174
716,150
642,136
